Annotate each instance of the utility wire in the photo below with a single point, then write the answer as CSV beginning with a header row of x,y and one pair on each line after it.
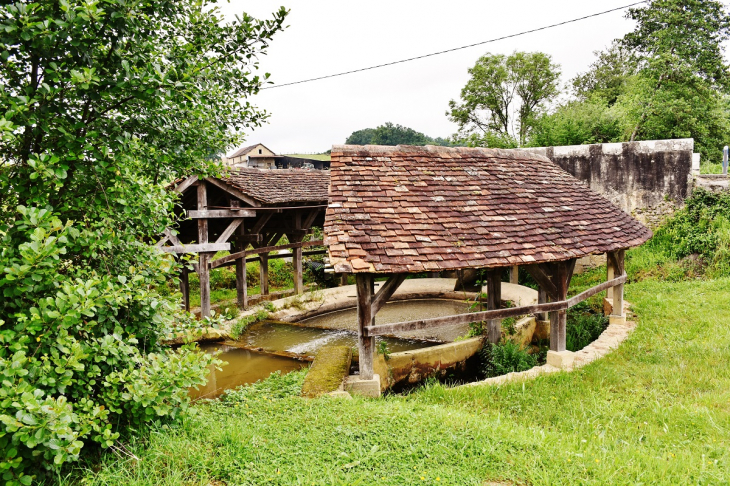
x,y
455,48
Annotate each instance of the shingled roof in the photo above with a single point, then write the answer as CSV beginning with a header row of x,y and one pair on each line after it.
x,y
414,209
279,186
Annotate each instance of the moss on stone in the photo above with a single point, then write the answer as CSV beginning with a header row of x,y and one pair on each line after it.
x,y
329,368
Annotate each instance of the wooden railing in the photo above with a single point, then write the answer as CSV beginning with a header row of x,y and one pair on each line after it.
x,y
491,314
230,259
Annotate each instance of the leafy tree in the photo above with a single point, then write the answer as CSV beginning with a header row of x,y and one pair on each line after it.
x,y
608,76
390,134
103,104
576,123
680,44
504,96
361,137
665,79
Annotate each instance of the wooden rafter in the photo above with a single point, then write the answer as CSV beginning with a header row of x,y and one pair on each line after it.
x,y
235,192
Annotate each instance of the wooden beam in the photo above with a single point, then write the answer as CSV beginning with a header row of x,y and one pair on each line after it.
x,y
162,242
264,273
307,222
386,329
617,260
260,223
297,261
542,298
541,274
204,257
366,343
180,188
598,288
232,226
241,285
560,275
197,248
514,274
266,249
221,213
185,288
233,191
386,291
494,301
610,274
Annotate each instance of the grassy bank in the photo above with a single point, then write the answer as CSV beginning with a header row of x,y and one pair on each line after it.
x,y
656,411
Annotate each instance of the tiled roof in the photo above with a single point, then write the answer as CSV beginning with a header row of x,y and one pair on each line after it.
x,y
242,151
414,209
275,186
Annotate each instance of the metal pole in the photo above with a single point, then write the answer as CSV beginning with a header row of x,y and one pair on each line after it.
x,y
724,160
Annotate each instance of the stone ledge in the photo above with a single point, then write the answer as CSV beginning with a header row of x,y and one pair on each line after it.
x,y
366,388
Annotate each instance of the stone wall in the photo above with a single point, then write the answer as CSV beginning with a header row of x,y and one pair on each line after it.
x,y
713,182
647,179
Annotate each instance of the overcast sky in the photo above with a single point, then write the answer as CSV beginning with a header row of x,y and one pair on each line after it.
x,y
326,37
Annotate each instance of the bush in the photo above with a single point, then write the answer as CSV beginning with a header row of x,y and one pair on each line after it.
x,y
694,242
584,325
80,354
502,358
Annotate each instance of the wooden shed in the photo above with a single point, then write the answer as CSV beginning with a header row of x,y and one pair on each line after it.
x,y
403,210
246,207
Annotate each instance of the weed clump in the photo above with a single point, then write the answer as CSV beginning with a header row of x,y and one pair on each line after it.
x,y
505,357
583,326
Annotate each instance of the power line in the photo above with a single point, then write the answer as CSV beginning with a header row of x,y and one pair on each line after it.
x,y
455,48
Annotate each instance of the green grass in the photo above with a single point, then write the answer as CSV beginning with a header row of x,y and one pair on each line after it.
x,y
655,411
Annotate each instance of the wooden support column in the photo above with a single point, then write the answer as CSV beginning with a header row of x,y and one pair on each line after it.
x,y
264,273
610,273
185,288
241,286
298,273
514,273
204,257
366,345
617,262
555,279
343,279
297,252
494,300
542,298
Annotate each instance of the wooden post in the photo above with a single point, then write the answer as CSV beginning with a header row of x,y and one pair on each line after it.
x,y
554,278
610,271
264,273
343,279
366,345
514,274
298,275
204,257
494,299
617,262
185,288
563,271
542,298
241,286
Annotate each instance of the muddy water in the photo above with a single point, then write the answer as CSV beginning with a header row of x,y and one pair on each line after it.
x,y
243,367
258,352
300,340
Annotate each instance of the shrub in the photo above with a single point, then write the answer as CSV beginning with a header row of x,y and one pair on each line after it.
x,y
502,358
80,353
584,325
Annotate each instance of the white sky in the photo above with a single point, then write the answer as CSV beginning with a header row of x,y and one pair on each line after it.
x,y
328,36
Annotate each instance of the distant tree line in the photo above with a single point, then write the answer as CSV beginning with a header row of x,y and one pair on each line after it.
x,y
390,134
